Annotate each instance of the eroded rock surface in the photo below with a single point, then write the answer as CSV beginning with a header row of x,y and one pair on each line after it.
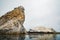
x,y
13,21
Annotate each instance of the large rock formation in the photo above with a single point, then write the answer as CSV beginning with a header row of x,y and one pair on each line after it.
x,y
12,22
42,29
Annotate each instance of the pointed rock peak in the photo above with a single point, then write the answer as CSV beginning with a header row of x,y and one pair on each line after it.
x,y
20,7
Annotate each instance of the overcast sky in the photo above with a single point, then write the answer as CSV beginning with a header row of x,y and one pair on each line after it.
x,y
37,12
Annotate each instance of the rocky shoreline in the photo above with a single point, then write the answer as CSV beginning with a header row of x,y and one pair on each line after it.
x,y
43,32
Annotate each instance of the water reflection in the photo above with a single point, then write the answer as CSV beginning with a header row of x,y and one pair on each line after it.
x,y
29,37
42,37
12,37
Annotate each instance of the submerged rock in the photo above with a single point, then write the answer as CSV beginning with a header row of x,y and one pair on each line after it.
x,y
12,22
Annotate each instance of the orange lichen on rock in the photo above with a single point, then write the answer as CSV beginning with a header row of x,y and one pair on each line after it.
x,y
17,13
12,22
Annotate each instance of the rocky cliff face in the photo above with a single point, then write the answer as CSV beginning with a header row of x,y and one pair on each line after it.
x,y
13,21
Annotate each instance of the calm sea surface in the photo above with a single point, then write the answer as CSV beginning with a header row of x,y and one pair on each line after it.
x,y
31,37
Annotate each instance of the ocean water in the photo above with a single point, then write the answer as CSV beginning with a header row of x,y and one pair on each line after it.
x,y
31,37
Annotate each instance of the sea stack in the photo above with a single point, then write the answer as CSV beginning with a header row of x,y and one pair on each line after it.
x,y
12,21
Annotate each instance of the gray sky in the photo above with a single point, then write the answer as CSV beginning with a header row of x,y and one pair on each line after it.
x,y
38,12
